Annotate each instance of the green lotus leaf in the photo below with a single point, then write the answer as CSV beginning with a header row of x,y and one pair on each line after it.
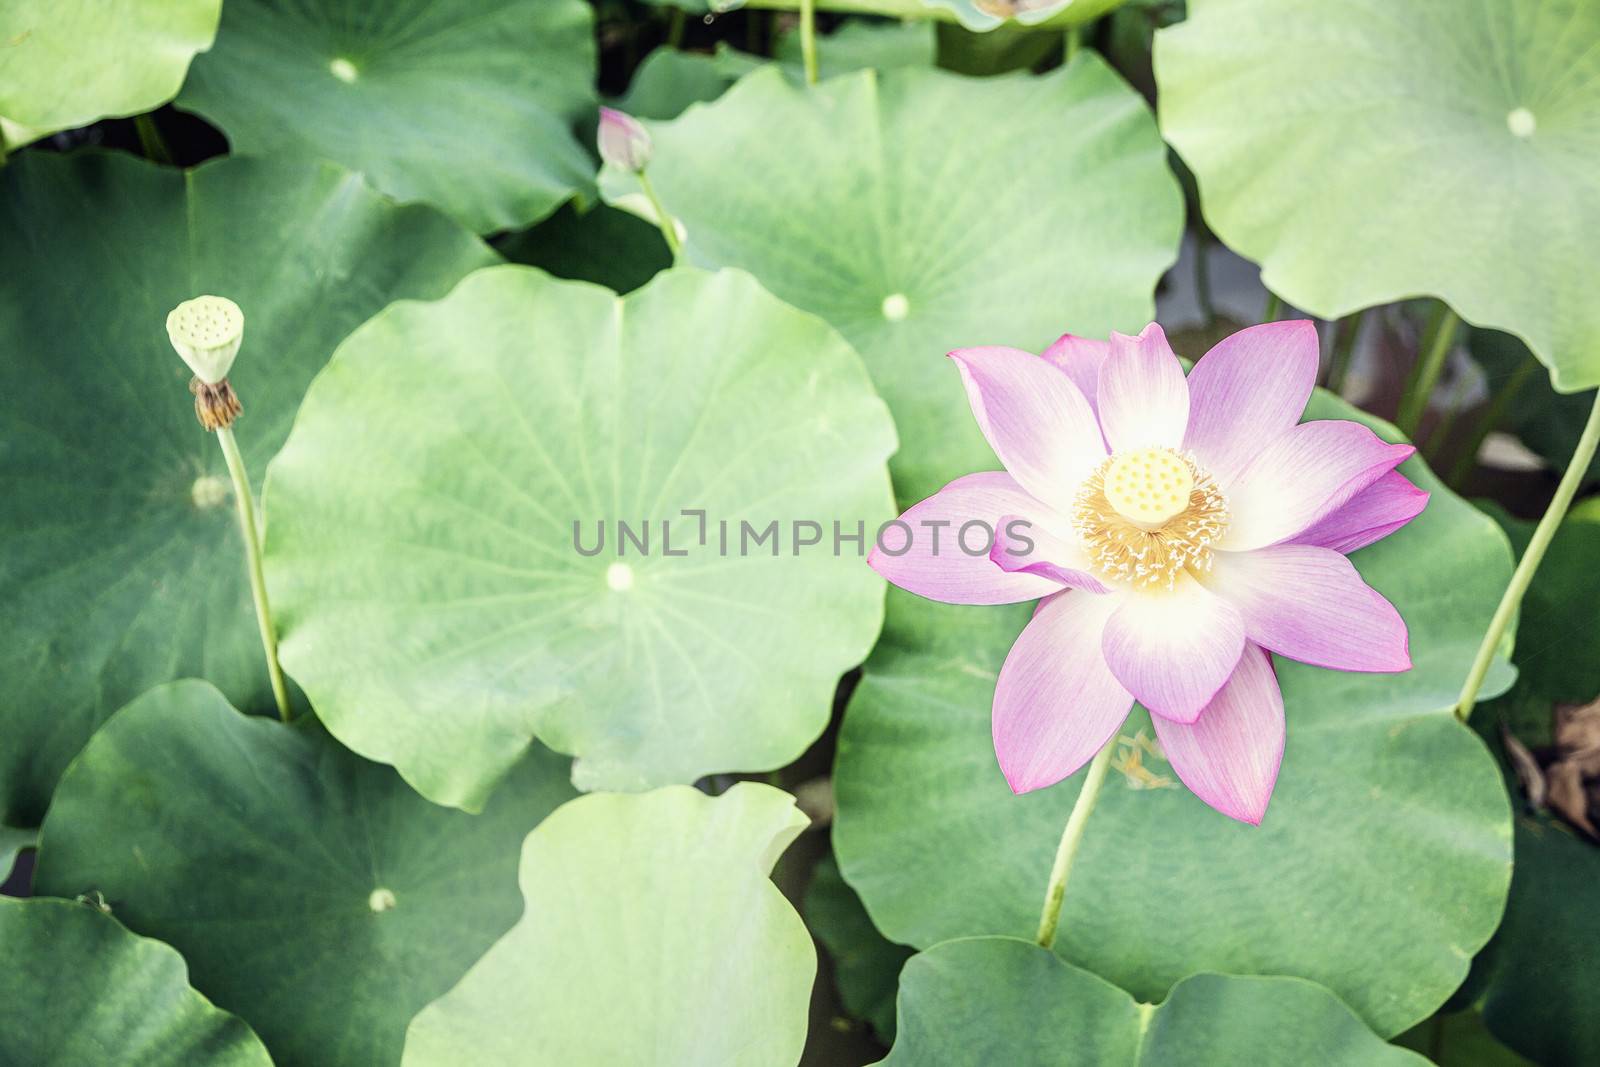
x,y
1057,213
434,600
464,104
1449,149
1381,866
1541,969
990,1000
669,80
651,935
66,63
866,965
79,989
12,842
312,892
123,563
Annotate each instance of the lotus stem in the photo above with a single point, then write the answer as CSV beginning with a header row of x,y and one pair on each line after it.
x,y
150,140
1274,307
1071,837
1522,577
1344,350
669,227
1202,266
252,548
1073,42
808,39
1425,375
1490,419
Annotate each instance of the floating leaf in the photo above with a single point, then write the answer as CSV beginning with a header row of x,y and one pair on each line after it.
x,y
312,892
866,964
123,565
434,601
1057,212
79,989
1380,785
1000,1000
66,63
1449,149
651,935
464,104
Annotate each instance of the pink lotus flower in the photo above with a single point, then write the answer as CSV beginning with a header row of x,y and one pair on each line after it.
x,y
1178,529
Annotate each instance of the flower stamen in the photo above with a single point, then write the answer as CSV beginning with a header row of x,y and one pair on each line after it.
x,y
1144,517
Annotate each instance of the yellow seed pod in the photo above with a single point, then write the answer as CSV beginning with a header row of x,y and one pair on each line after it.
x,y
207,332
1149,486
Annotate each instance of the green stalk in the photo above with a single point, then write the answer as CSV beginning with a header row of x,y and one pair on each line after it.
x,y
1344,350
1537,545
676,22
150,140
669,229
252,549
1490,419
808,39
1202,270
1425,375
1274,307
1074,42
1056,891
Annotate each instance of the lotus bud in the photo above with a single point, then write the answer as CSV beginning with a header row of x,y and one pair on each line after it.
x,y
624,141
207,332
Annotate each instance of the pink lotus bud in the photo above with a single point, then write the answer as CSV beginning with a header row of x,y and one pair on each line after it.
x,y
623,141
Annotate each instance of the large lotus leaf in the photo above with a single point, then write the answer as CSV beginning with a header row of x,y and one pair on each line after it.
x,y
981,1001
1383,861
123,566
66,63
1367,151
651,935
434,601
847,199
78,989
312,892
465,104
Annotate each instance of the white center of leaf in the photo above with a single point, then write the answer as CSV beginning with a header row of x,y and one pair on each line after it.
x,y
896,307
381,900
1521,122
619,576
209,491
343,69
